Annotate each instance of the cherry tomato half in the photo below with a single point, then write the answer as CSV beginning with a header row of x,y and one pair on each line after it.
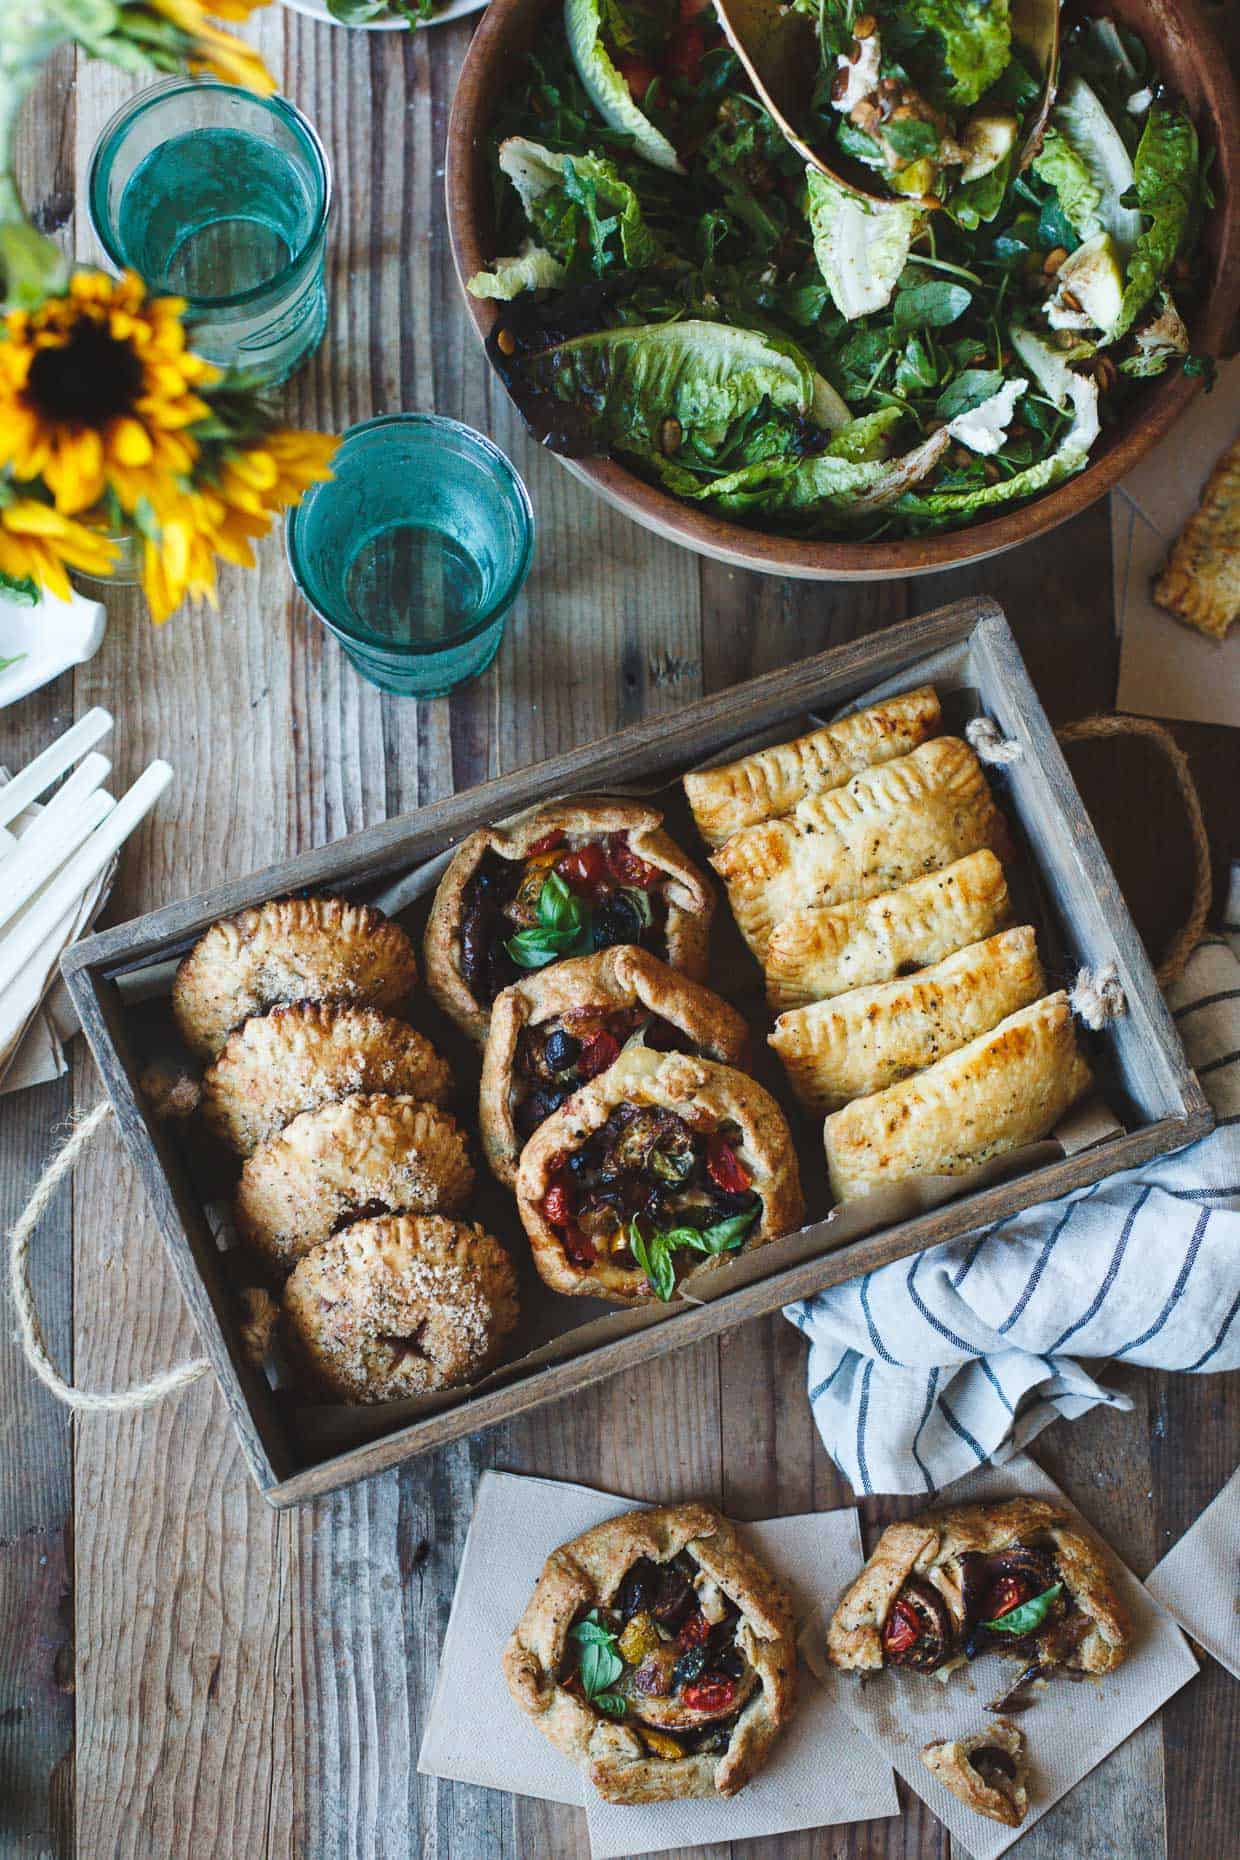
x,y
625,866
547,843
902,1629
1008,1593
601,1050
558,1204
724,1166
584,870
695,1631
578,1246
712,1692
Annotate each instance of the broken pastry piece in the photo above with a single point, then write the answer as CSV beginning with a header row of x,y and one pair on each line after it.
x,y
1200,581
987,1771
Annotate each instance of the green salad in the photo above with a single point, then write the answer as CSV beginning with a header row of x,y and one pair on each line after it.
x,y
683,291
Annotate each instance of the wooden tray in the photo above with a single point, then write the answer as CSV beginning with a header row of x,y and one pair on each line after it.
x,y
967,645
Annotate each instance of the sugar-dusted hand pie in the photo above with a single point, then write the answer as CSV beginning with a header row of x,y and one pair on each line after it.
x,y
292,949
559,1027
569,879
662,1164
657,1652
1018,1577
988,1771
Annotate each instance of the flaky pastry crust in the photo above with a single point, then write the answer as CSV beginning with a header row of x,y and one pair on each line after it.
x,y
705,1095
689,894
586,1573
960,1767
626,976
292,949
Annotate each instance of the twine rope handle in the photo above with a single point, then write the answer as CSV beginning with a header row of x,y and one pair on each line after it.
x,y
30,1330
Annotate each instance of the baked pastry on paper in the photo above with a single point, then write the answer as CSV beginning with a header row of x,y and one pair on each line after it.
x,y
887,826
662,1164
1200,581
559,1027
869,1038
770,782
657,1653
292,949
988,1771
818,952
1017,1576
366,1156
1007,1087
298,1058
573,877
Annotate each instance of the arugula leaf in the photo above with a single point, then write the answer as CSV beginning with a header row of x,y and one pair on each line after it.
x,y
1029,1615
968,390
1165,177
930,306
909,137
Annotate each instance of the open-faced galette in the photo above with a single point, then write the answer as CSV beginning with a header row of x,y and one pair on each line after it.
x,y
662,1164
570,878
559,1027
1018,1577
988,1771
657,1652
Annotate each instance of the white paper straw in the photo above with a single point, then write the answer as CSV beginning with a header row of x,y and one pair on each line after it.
x,y
39,775
90,774
46,847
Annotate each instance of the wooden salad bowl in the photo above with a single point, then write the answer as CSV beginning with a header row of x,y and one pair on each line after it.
x,y
1188,54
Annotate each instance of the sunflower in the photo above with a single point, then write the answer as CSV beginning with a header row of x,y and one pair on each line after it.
x,y
38,541
98,391
200,44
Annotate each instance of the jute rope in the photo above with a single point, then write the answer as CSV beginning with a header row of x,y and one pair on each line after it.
x,y
982,734
30,1331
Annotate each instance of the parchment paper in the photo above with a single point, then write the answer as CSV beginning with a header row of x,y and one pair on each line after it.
x,y
1199,1580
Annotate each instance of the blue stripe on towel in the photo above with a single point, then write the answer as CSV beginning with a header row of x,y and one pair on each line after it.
x,y
959,1428
932,1383
1017,1311
1194,1247
824,1385
1111,1273
862,1410
943,1330
875,1339
1217,1345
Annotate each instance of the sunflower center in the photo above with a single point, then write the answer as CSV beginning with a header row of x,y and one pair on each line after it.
x,y
92,379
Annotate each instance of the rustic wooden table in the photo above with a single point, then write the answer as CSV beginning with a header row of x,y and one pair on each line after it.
x,y
184,1672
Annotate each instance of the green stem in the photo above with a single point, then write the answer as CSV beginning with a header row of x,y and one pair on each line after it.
x,y
31,264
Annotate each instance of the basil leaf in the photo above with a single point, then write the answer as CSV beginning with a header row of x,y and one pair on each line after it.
x,y
613,1703
725,1235
532,948
1029,1615
655,1259
592,1629
930,306
558,909
910,137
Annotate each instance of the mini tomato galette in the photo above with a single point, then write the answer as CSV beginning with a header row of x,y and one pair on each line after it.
x,y
657,1652
572,878
663,1163
988,1771
1018,1578
560,1027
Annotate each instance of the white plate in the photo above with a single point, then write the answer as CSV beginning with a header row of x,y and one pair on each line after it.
x,y
317,9
45,640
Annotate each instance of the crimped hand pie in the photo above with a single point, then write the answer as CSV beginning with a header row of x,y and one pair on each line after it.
x,y
559,1027
366,1156
869,1038
571,878
660,1164
292,949
400,1306
297,1058
657,1652
887,826
770,782
987,1770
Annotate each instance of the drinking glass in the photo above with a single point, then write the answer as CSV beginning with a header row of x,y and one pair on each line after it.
x,y
413,552
220,197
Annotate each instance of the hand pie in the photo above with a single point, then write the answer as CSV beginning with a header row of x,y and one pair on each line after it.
x,y
559,1027
366,1156
819,952
297,1058
770,782
569,879
938,1590
988,1771
400,1306
889,825
1200,580
293,949
661,1164
657,1652
1005,1088
869,1038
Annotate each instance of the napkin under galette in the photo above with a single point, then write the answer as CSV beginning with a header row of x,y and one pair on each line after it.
x,y
1198,1581
821,1772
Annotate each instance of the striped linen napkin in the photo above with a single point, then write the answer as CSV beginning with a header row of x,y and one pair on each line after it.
x,y
928,1368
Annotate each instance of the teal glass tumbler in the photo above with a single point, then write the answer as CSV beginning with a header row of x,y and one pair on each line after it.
x,y
413,552
221,197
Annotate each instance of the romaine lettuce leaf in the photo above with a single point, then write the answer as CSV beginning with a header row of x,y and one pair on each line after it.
x,y
865,438
1069,456
1158,342
823,485
550,183
1080,120
977,41
607,90
533,269
1165,177
861,245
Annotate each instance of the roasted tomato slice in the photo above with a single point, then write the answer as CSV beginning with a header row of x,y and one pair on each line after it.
x,y
583,870
695,1632
1008,1593
712,1692
724,1166
625,866
558,1204
902,1628
601,1050
577,1245
547,843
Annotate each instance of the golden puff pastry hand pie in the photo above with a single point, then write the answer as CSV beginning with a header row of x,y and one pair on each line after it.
x,y
869,1038
293,949
662,1164
657,1653
1200,580
559,1027
770,782
988,1771
1007,1087
298,1058
366,1156
815,953
1016,1576
571,878
405,1305
887,826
